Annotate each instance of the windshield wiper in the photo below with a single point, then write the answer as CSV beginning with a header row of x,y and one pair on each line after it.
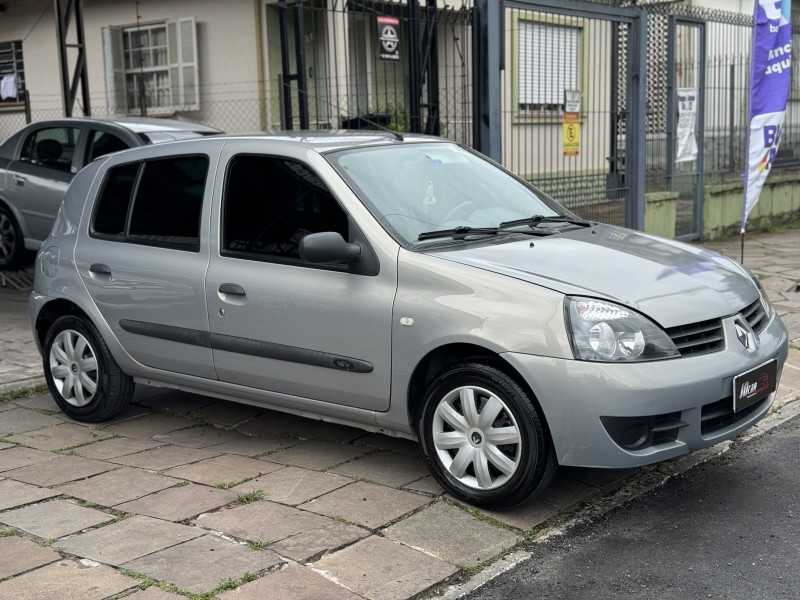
x,y
536,219
458,232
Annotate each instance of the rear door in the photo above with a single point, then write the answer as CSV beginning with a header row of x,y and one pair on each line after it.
x,y
279,323
37,180
145,257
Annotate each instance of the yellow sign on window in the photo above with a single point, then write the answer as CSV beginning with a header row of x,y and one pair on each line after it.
x,y
572,133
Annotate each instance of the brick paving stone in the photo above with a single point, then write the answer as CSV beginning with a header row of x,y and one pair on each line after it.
x,y
164,457
20,555
60,469
247,445
293,583
115,487
381,569
228,468
179,503
314,543
451,534
292,485
67,580
59,437
366,503
525,516
39,402
427,485
127,540
22,420
392,443
296,534
175,401
116,447
54,519
14,458
154,593
6,406
144,427
262,520
563,492
15,493
226,413
190,566
386,468
198,437
277,424
318,455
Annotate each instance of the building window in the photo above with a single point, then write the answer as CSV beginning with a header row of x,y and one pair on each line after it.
x,y
548,66
12,72
152,66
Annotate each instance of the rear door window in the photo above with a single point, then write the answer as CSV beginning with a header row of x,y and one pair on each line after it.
x,y
155,202
52,147
101,143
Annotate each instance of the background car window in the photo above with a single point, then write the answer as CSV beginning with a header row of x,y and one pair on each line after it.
x,y
112,208
272,203
102,143
169,201
52,147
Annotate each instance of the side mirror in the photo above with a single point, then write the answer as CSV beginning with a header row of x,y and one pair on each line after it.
x,y
327,247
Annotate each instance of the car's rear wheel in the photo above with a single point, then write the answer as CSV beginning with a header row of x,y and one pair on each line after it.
x,y
11,244
483,437
84,379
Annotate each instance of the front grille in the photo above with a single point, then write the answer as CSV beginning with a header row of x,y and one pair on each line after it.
x,y
719,415
755,316
698,338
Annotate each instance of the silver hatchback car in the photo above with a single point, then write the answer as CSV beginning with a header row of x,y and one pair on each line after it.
x,y
403,285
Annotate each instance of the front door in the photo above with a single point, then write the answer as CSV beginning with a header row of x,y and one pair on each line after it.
x,y
277,322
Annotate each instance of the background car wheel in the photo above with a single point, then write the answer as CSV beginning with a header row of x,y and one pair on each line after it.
x,y
483,438
11,245
84,379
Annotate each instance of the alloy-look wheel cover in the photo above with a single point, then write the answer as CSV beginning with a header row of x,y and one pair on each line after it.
x,y
73,367
477,438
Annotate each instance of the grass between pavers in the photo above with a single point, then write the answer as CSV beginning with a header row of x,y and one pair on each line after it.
x,y
226,485
250,497
23,392
226,585
258,544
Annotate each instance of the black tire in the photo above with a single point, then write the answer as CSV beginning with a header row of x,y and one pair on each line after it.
x,y
506,460
84,379
12,248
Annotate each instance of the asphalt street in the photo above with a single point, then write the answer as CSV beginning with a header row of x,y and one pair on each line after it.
x,y
729,528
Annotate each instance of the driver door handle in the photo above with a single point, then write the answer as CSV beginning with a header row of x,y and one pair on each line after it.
x,y
231,289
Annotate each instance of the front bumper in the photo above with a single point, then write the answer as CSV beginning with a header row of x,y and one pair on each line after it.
x,y
577,397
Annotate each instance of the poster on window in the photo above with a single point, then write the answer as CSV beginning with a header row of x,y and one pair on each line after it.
x,y
389,38
687,121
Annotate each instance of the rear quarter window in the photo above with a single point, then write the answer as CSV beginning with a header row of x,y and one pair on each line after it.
x,y
154,202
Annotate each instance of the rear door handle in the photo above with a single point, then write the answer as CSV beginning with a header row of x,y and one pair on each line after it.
x,y
231,289
100,269
19,180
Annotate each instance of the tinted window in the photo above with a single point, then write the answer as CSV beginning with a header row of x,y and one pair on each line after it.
x,y
112,208
52,147
271,203
167,202
102,143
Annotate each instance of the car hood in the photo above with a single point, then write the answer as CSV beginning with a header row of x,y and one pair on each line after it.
x,y
671,282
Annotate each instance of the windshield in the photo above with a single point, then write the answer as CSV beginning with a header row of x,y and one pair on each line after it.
x,y
418,189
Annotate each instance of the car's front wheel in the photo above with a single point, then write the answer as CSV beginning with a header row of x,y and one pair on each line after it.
x,y
483,437
11,245
84,379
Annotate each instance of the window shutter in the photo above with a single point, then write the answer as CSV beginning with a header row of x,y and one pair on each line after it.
x,y
114,63
183,70
548,62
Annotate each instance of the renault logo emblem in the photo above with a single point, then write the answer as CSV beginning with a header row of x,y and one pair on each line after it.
x,y
745,335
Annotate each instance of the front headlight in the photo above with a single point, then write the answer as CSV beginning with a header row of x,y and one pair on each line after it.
x,y
608,332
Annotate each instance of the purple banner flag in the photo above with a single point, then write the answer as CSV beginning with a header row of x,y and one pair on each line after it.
x,y
770,75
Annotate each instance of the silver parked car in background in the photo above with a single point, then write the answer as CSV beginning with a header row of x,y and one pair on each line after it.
x,y
38,162
402,285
